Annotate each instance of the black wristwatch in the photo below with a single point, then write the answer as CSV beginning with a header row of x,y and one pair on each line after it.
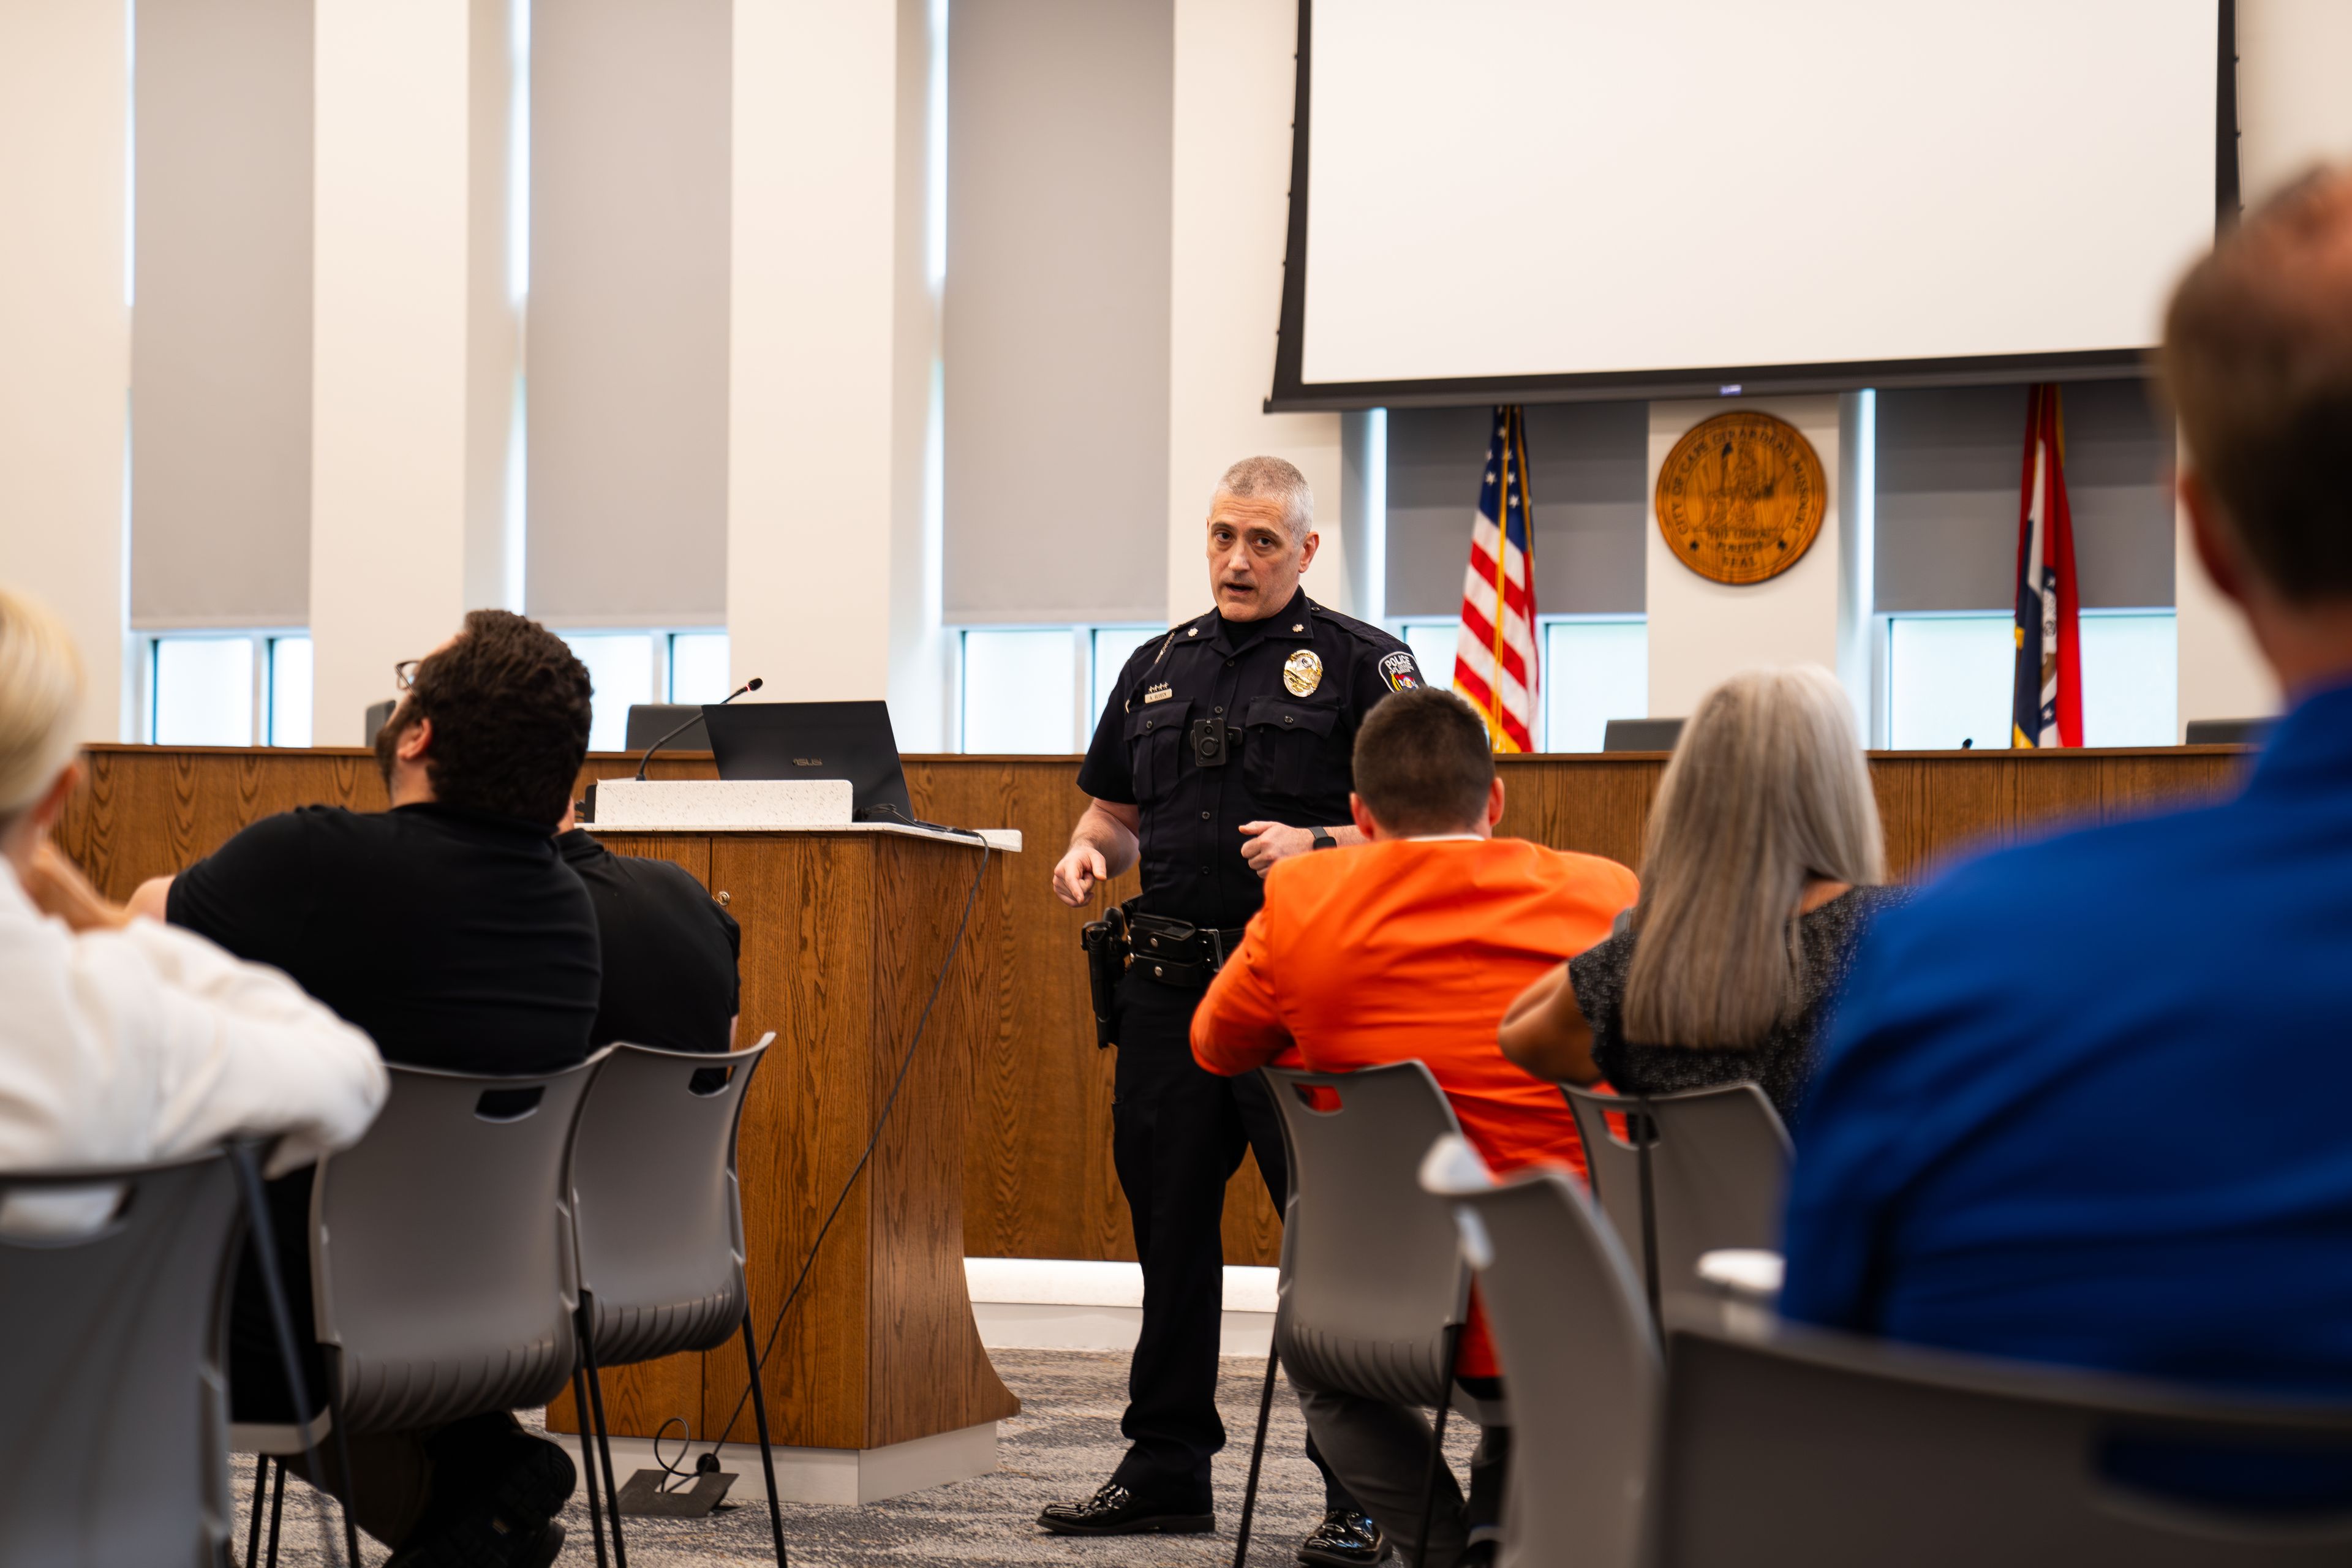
x,y
1323,839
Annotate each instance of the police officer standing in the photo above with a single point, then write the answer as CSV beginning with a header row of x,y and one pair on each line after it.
x,y
1224,748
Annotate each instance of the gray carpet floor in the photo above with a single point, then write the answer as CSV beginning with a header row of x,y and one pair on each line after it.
x,y
1062,1444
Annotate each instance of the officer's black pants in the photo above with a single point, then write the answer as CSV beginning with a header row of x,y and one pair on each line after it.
x,y
1178,1135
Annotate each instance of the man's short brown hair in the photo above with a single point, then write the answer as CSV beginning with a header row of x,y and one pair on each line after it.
x,y
2258,359
510,705
1423,762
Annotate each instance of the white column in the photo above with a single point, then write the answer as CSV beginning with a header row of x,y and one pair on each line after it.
x,y
2222,672
64,328
2293,111
832,343
407,528
1235,72
1701,630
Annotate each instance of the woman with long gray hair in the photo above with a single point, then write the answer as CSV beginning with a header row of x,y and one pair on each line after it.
x,y
1764,864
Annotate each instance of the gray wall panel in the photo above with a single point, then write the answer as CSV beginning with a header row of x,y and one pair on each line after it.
x,y
627,351
1587,465
1949,462
220,352
1060,129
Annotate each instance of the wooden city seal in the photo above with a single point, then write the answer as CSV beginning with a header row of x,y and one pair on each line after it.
x,y
1741,497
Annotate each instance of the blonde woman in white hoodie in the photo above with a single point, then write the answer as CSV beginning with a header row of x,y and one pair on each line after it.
x,y
122,1040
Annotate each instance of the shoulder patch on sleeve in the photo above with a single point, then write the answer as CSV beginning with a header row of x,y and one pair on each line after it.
x,y
1399,672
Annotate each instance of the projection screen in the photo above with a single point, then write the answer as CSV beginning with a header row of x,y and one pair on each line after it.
x,y
1646,198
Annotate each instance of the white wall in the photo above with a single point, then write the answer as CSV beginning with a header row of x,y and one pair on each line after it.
x,y
831,351
65,328
399,398
1235,68
1701,630
2294,57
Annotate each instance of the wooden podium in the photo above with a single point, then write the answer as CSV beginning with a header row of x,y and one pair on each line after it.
x,y
877,1384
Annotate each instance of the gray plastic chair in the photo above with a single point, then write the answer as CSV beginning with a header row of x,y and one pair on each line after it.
x,y
114,1345
1372,1290
659,1221
1792,1446
1713,1175
442,1276
1586,1382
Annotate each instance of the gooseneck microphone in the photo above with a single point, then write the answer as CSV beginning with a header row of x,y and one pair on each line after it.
x,y
750,685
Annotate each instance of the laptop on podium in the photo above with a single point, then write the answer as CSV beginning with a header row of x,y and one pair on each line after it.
x,y
851,740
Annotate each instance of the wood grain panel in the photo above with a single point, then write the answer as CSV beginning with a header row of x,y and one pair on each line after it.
x,y
1038,1180
808,947
928,1371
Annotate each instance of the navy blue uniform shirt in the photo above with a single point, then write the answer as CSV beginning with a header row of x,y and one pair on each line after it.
x,y
1294,688
2089,1100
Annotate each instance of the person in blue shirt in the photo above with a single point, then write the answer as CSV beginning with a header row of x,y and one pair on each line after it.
x,y
2089,1100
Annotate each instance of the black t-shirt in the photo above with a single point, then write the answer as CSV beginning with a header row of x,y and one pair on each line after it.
x,y
1293,687
456,939
670,952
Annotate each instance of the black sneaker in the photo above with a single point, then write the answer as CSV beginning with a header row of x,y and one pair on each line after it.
x,y
1115,1510
1345,1539
508,1518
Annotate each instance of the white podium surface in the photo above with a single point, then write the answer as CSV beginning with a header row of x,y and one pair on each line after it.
x,y
757,806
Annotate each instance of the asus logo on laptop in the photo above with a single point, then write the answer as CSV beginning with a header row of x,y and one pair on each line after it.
x,y
808,762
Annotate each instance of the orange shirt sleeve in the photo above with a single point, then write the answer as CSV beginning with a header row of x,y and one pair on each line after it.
x,y
1237,1028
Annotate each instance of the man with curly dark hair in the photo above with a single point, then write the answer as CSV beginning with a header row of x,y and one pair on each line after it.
x,y
451,930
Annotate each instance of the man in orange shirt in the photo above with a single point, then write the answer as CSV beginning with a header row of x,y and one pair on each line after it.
x,y
1410,947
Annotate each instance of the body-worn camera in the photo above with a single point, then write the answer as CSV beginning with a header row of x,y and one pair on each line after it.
x,y
1212,743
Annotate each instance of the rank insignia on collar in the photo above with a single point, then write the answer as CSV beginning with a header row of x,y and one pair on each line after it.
x,y
1302,672
1401,673
1160,693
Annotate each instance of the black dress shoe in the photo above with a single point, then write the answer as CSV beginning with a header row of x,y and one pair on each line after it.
x,y
503,1515
1115,1510
1345,1539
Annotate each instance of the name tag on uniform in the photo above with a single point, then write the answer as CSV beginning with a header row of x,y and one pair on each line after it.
x,y
1158,693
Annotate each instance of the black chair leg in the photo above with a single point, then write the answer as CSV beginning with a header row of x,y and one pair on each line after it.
x,y
253,1522
351,1487
767,1453
1647,1136
603,1450
587,1466
1257,1458
277,1512
263,1240
1437,1449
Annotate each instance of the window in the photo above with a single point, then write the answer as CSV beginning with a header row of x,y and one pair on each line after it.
x,y
1594,668
625,668
1433,647
290,691
1039,689
202,691
1593,671
697,667
1021,689
1949,679
1113,647
227,689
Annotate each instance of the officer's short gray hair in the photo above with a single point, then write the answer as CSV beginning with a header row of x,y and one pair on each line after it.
x,y
1272,478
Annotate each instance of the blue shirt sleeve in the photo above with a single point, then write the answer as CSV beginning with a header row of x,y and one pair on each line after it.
x,y
1850,1165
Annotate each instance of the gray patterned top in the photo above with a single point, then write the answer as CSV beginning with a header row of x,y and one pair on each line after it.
x,y
1782,1063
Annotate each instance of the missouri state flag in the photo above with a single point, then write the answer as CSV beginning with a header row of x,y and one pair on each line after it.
x,y
1495,652
2046,703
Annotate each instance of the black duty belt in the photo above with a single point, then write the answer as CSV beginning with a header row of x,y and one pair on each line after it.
x,y
1177,952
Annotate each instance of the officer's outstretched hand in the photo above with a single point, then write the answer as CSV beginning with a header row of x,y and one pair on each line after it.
x,y
1075,874
1271,841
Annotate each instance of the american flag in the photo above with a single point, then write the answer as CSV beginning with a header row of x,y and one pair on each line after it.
x,y
1495,655
2046,701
